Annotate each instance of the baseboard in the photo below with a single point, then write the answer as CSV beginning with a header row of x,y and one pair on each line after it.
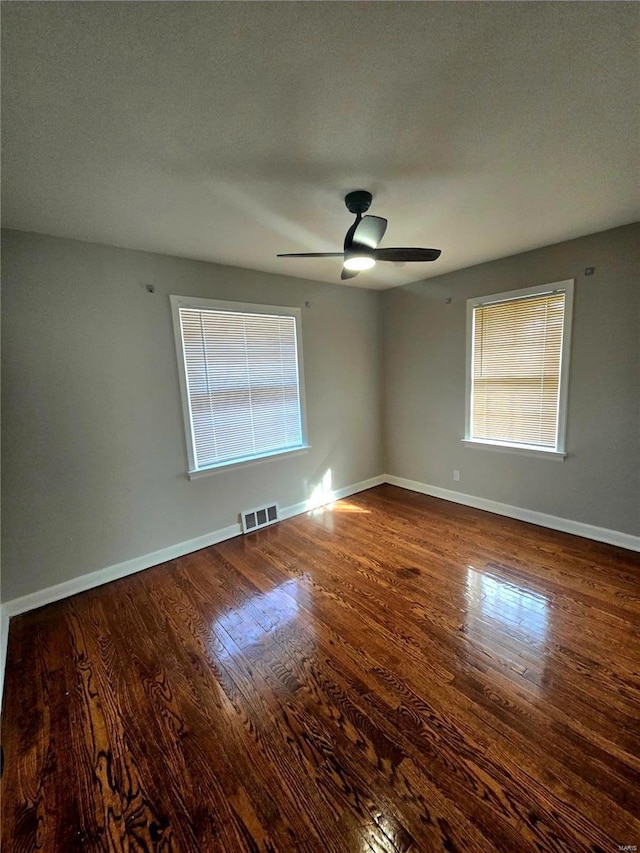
x,y
4,640
130,567
334,495
578,528
119,570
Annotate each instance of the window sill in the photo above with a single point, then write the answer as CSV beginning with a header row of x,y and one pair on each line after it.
x,y
245,463
522,449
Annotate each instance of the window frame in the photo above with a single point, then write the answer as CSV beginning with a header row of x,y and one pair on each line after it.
x,y
559,451
198,303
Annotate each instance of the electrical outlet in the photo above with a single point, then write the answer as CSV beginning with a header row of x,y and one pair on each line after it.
x,y
456,476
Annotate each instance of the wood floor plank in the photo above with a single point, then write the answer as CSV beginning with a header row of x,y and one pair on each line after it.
x,y
391,674
265,721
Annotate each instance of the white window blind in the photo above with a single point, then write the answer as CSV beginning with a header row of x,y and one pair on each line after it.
x,y
517,370
242,383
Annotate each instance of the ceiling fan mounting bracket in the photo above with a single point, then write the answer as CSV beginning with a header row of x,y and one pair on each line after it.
x,y
358,201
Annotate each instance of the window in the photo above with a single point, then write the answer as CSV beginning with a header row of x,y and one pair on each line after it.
x,y
517,368
240,370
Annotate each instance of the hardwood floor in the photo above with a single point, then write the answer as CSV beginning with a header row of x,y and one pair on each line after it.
x,y
396,673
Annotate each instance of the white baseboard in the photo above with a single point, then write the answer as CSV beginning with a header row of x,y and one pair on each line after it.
x,y
137,564
335,495
4,640
578,528
119,570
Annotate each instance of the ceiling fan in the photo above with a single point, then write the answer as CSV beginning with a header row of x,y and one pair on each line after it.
x,y
361,241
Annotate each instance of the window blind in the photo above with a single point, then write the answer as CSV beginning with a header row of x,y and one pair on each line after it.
x,y
517,357
242,383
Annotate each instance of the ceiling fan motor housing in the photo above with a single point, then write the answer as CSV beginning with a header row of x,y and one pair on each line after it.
x,y
358,201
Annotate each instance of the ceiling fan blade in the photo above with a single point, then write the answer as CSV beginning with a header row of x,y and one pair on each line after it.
x,y
368,232
348,273
313,255
401,255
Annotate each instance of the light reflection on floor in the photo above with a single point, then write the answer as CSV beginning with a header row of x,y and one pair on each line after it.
x,y
510,624
259,616
324,515
490,598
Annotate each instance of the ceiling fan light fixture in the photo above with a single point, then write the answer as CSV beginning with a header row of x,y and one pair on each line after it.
x,y
357,263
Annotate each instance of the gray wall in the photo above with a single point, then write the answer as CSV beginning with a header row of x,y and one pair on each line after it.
x,y
93,443
424,384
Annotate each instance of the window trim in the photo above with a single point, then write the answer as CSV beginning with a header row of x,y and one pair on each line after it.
x,y
559,451
178,302
220,467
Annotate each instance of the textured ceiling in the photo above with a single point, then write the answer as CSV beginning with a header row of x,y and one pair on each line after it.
x,y
231,131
